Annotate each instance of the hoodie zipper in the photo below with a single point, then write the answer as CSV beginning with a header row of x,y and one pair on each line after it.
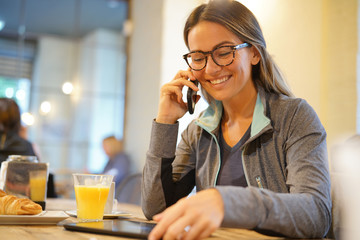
x,y
218,146
219,165
244,167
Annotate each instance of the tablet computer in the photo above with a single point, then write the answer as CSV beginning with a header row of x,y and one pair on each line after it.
x,y
117,227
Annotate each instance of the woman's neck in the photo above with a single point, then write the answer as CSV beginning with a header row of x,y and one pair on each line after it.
x,y
240,107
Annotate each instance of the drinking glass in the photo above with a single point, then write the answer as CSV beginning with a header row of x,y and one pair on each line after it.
x,y
111,203
91,192
38,186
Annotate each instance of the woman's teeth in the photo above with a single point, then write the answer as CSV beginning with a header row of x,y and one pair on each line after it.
x,y
217,81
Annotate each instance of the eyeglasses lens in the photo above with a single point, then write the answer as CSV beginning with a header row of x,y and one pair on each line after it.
x,y
221,56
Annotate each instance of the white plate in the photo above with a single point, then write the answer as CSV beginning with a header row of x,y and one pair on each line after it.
x,y
72,213
43,218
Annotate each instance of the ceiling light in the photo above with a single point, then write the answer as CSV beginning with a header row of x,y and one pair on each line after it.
x,y
67,88
20,94
9,92
28,118
45,107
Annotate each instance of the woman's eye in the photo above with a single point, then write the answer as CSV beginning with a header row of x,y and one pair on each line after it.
x,y
224,54
198,58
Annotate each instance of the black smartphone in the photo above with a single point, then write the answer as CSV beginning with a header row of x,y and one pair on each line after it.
x,y
119,227
191,98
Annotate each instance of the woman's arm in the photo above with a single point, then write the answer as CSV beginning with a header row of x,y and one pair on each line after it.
x,y
160,186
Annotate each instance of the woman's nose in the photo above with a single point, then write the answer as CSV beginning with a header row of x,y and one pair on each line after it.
x,y
211,67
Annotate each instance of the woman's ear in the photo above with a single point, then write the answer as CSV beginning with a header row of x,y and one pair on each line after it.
x,y
255,55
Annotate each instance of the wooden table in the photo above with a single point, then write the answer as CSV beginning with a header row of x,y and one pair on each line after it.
x,y
54,232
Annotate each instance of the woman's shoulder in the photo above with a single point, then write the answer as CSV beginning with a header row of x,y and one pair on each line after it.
x,y
14,142
285,103
297,110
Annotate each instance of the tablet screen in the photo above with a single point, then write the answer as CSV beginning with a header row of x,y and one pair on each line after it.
x,y
114,227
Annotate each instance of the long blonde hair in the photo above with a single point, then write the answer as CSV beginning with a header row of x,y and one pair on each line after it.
x,y
241,21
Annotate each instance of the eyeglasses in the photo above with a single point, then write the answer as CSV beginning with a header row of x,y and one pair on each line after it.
x,y
222,56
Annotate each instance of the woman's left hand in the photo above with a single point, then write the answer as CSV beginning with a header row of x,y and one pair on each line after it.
x,y
195,217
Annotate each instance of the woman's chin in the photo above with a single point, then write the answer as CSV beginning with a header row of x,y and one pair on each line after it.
x,y
218,96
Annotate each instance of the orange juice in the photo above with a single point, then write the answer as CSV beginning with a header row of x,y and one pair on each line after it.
x,y
37,188
90,201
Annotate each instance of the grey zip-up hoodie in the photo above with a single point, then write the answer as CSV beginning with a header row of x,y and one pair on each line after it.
x,y
285,164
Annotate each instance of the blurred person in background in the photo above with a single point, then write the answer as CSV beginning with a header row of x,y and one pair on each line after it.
x,y
118,164
13,138
11,143
257,155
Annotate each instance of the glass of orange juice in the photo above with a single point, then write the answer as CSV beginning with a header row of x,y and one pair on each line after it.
x,y
38,186
91,192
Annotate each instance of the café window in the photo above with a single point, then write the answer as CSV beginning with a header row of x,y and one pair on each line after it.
x,y
68,59
15,71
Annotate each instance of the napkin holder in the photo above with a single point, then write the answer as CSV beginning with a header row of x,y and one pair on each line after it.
x,y
15,174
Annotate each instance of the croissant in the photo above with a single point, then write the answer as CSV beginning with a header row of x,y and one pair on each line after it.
x,y
11,205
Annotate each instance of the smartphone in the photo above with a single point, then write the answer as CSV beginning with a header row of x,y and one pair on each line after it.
x,y
119,227
191,98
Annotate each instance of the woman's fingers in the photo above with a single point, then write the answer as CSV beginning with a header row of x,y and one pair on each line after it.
x,y
186,74
179,227
201,229
176,86
169,90
181,82
158,217
167,218
171,104
201,213
182,224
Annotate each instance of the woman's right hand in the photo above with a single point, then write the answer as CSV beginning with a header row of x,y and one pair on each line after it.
x,y
171,105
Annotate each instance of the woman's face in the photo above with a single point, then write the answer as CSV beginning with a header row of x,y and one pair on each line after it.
x,y
222,82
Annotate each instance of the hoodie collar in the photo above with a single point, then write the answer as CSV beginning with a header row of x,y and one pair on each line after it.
x,y
211,117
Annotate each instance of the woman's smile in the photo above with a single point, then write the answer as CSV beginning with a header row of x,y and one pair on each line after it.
x,y
219,80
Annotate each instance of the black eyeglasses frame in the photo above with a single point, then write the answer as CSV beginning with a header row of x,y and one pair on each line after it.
x,y
234,48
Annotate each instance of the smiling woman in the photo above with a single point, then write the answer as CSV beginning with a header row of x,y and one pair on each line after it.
x,y
257,155
77,69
